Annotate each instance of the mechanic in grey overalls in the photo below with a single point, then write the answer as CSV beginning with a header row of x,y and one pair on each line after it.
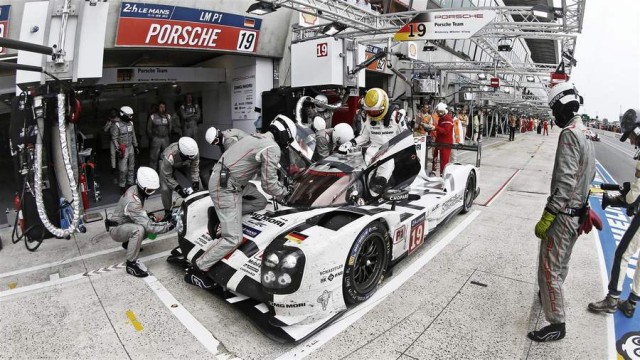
x,y
113,118
180,156
123,137
567,208
229,186
131,224
190,114
225,138
158,128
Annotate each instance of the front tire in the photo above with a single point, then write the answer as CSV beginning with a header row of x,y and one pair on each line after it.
x,y
366,264
469,193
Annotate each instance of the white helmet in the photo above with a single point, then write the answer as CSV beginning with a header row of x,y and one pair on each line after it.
x,y
188,147
211,135
342,133
441,108
126,111
284,131
564,93
323,99
148,180
319,123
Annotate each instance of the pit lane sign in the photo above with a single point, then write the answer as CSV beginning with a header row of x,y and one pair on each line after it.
x,y
166,26
4,24
445,25
378,65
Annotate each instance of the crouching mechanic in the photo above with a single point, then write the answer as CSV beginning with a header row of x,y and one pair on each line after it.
x,y
229,188
630,243
377,130
573,171
225,138
130,222
180,156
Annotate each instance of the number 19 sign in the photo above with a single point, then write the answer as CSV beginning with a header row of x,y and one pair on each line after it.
x,y
167,26
4,24
444,25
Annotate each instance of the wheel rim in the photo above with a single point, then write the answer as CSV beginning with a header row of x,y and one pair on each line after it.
x,y
368,264
468,200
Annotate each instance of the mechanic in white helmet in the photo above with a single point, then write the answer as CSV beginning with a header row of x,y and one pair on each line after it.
x,y
131,224
321,111
123,137
223,138
377,130
323,139
573,171
228,186
180,156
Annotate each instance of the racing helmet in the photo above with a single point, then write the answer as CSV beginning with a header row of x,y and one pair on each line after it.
x,y
283,130
342,133
127,113
188,147
630,123
323,99
441,108
147,180
319,124
564,101
212,135
376,104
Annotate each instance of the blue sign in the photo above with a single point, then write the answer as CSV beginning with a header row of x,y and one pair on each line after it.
x,y
4,12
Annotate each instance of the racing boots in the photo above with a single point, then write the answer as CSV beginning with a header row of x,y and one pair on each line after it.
x,y
628,307
550,332
609,305
197,277
137,269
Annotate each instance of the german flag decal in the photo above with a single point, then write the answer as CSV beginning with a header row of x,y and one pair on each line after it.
x,y
296,237
440,25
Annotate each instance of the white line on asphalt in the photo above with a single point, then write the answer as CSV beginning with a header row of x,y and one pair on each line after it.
x,y
45,284
312,344
611,338
619,147
192,324
77,258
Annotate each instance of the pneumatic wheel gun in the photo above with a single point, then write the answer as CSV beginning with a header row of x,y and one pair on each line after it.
x,y
618,200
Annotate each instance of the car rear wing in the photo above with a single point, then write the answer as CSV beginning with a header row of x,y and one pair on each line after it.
x,y
428,143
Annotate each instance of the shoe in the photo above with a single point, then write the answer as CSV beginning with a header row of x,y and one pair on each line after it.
x,y
137,269
551,332
197,277
125,246
627,308
609,305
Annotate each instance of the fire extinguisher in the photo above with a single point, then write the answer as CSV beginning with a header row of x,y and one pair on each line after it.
x,y
17,206
83,190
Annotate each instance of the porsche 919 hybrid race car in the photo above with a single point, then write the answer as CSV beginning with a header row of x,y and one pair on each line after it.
x,y
301,264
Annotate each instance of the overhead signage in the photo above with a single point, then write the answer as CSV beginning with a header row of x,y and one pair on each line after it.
x,y
378,65
155,74
167,26
445,25
4,24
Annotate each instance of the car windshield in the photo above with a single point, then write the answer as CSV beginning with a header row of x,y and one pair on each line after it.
x,y
320,188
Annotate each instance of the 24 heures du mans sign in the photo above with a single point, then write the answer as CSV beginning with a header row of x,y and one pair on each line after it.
x,y
166,26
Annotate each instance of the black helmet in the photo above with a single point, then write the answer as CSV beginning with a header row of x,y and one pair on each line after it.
x,y
630,123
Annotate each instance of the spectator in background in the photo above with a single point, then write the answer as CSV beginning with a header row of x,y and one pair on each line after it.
x,y
513,123
476,128
464,120
545,128
424,121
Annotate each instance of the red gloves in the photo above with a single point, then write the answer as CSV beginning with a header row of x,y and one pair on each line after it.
x,y
592,220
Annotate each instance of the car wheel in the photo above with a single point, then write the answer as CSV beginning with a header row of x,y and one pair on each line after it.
x,y
469,192
366,263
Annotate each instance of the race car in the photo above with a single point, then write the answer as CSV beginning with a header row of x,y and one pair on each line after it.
x,y
591,135
302,263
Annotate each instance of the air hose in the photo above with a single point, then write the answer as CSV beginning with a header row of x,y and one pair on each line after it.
x,y
66,157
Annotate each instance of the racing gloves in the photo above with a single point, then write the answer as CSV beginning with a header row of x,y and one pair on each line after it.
x,y
195,186
544,224
181,191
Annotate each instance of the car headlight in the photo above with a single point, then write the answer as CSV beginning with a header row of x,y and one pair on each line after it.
x,y
282,269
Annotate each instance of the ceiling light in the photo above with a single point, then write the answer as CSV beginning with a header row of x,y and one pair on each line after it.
x,y
333,28
262,8
531,78
541,11
482,76
505,44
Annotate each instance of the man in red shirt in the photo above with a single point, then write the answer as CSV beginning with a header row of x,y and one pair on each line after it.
x,y
545,128
444,135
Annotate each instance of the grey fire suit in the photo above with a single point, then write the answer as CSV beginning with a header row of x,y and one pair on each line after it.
x,y
190,114
573,172
231,136
158,128
323,144
112,147
326,114
171,161
376,134
133,222
252,154
628,246
123,133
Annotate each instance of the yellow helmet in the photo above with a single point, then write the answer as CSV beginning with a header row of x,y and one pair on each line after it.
x,y
376,103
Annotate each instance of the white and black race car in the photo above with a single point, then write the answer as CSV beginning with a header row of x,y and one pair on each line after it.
x,y
301,264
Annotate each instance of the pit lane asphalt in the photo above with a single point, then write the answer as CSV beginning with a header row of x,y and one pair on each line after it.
x,y
616,156
473,299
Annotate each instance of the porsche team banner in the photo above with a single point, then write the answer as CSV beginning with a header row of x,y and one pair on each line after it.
x,y
4,24
167,26
445,25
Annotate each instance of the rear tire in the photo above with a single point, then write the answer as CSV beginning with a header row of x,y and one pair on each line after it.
x,y
366,264
469,193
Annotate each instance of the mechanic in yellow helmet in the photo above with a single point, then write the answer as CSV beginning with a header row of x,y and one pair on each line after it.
x,y
378,128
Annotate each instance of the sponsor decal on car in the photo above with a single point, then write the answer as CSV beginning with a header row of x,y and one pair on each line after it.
x,y
203,239
416,238
330,277
324,299
287,306
250,232
268,219
400,234
330,270
295,237
451,203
